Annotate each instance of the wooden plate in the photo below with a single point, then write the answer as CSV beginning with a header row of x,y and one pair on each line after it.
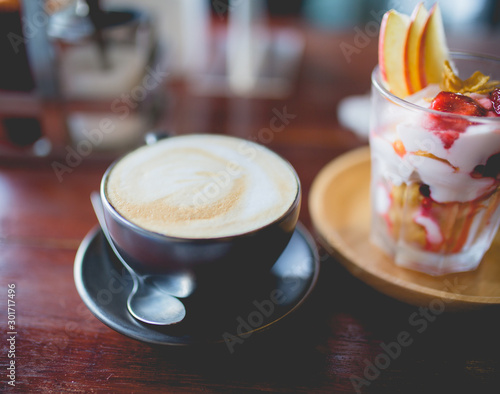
x,y
340,211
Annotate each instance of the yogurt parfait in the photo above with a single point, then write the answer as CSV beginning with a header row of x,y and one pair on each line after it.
x,y
435,147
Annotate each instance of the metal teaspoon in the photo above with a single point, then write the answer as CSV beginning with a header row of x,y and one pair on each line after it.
x,y
147,302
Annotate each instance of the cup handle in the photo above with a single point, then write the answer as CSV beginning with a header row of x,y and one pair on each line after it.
x,y
154,136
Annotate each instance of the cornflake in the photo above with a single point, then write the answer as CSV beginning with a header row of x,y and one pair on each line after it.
x,y
476,83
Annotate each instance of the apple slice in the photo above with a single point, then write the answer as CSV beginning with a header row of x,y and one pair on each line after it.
x,y
391,51
413,52
433,48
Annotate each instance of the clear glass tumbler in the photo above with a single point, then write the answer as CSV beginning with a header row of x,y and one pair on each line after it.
x,y
435,181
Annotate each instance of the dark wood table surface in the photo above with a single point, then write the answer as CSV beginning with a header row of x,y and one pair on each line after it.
x,y
330,344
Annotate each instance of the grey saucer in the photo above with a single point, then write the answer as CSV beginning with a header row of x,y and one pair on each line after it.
x,y
104,285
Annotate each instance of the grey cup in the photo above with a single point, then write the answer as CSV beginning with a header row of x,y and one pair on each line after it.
x,y
211,261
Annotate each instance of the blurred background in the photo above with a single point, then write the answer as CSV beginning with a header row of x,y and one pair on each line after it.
x,y
90,78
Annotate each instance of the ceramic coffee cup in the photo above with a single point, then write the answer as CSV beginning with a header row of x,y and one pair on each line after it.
x,y
217,207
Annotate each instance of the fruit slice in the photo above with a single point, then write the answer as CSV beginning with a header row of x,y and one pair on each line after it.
x,y
391,51
495,100
413,51
433,49
447,128
457,104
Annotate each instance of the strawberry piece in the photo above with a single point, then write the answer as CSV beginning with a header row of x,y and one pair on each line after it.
x,y
457,104
495,100
448,128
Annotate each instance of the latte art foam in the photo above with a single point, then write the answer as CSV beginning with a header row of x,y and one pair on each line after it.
x,y
201,186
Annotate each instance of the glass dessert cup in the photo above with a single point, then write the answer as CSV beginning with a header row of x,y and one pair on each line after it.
x,y
435,179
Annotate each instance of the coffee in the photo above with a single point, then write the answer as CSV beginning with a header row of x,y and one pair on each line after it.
x,y
202,186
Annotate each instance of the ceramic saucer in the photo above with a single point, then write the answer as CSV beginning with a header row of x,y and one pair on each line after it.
x,y
104,286
339,203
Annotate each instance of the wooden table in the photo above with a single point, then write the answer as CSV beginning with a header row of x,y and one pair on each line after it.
x,y
333,343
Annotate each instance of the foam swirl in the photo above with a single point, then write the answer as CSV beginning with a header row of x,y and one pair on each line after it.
x,y
201,186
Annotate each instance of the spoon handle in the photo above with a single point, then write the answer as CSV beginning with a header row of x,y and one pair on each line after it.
x,y
146,304
95,198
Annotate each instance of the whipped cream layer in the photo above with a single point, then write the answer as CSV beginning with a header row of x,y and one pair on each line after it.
x,y
202,186
427,159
